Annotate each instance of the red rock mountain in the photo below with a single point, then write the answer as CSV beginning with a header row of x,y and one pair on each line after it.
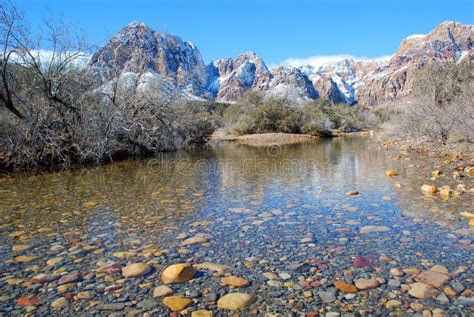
x,y
140,53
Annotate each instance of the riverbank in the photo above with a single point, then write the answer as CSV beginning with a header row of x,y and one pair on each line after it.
x,y
264,139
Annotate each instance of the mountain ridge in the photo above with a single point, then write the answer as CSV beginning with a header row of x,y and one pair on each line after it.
x,y
139,49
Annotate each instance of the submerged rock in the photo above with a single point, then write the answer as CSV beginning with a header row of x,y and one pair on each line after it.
x,y
235,301
178,273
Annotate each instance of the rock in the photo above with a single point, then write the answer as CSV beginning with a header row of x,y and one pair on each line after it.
x,y
28,301
465,301
393,284
234,281
420,290
434,279
219,268
199,238
147,304
136,270
352,193
362,261
469,171
440,269
235,301
416,307
428,190
70,278
84,295
392,303
54,261
369,229
178,273
411,271
162,290
110,307
21,247
25,258
436,173
396,272
60,302
390,173
284,275
201,313
444,192
344,287
363,283
109,268
327,296
271,276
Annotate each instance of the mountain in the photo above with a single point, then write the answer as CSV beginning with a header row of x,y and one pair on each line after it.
x,y
142,57
139,49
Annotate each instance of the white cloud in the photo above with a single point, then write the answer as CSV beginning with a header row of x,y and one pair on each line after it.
x,y
320,60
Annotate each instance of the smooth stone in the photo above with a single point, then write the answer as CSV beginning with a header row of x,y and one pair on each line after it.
x,y
327,296
136,270
344,287
162,290
69,278
54,261
420,290
392,303
201,313
111,306
434,279
369,229
177,303
219,268
364,283
178,273
60,302
393,283
147,304
234,281
235,301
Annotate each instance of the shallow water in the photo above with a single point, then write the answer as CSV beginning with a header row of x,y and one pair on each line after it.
x,y
265,209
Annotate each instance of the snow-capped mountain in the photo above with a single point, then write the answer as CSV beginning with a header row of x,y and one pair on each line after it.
x,y
161,57
141,50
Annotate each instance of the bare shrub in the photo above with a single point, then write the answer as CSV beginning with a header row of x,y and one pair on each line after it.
x,y
443,107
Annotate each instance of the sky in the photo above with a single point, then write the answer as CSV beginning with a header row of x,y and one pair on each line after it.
x,y
281,32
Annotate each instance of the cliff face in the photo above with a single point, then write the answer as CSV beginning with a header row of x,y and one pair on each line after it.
x,y
450,41
137,49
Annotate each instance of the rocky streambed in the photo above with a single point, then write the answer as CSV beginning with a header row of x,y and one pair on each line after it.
x,y
334,227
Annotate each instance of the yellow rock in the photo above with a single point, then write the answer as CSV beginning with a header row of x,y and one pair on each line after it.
x,y
449,291
61,302
20,247
201,313
436,173
469,171
25,258
44,230
178,273
84,295
390,173
54,261
471,223
444,192
14,281
289,284
65,287
123,254
235,301
176,303
136,270
89,204
17,234
234,281
428,189
307,294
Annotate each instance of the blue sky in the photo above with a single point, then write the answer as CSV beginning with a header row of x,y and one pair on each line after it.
x,y
275,29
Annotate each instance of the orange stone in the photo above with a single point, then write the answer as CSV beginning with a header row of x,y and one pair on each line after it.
x,y
344,287
234,281
28,301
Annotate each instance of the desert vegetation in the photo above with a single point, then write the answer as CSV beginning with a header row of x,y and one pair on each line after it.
x,y
255,114
442,108
54,114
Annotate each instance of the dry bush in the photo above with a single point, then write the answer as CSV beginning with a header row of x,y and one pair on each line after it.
x,y
443,107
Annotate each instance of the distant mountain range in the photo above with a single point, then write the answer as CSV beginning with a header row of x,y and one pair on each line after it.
x,y
140,56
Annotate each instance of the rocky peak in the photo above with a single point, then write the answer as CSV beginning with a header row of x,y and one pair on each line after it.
x,y
139,49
